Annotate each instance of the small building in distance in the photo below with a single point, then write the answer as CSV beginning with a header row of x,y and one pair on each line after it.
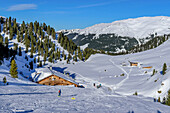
x,y
47,76
146,66
133,63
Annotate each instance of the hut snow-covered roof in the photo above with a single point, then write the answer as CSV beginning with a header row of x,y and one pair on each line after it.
x,y
42,73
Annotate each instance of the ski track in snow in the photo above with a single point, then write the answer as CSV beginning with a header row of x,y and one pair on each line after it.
x,y
127,75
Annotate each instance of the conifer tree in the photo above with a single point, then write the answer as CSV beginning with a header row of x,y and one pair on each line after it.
x,y
6,42
13,70
44,27
56,56
35,60
53,34
63,53
18,36
0,26
50,59
1,39
15,47
23,26
164,69
38,59
21,37
9,22
15,26
42,52
20,52
4,80
168,99
39,32
4,28
80,55
2,20
39,50
49,30
31,65
64,57
6,25
32,50
159,100
75,57
45,58
11,33
59,54
69,56
40,64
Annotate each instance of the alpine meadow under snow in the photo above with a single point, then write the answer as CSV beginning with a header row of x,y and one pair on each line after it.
x,y
119,87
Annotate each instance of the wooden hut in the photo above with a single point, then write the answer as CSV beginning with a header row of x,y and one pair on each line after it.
x,y
133,63
47,76
147,67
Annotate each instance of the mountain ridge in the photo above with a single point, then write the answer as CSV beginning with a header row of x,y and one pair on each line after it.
x,y
126,24
120,35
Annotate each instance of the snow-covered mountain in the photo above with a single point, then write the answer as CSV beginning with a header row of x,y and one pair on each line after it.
x,y
136,29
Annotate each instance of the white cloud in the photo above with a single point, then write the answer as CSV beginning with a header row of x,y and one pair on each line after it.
x,y
92,5
101,4
22,7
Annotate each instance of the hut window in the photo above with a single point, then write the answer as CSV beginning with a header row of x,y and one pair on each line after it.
x,y
49,78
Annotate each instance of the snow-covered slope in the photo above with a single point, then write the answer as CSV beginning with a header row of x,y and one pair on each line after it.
x,y
108,69
138,27
22,96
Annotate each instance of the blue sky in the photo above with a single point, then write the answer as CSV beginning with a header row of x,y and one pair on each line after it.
x,y
78,14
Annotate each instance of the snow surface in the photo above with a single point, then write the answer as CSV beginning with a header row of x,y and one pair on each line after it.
x,y
84,46
138,27
22,96
115,95
107,70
